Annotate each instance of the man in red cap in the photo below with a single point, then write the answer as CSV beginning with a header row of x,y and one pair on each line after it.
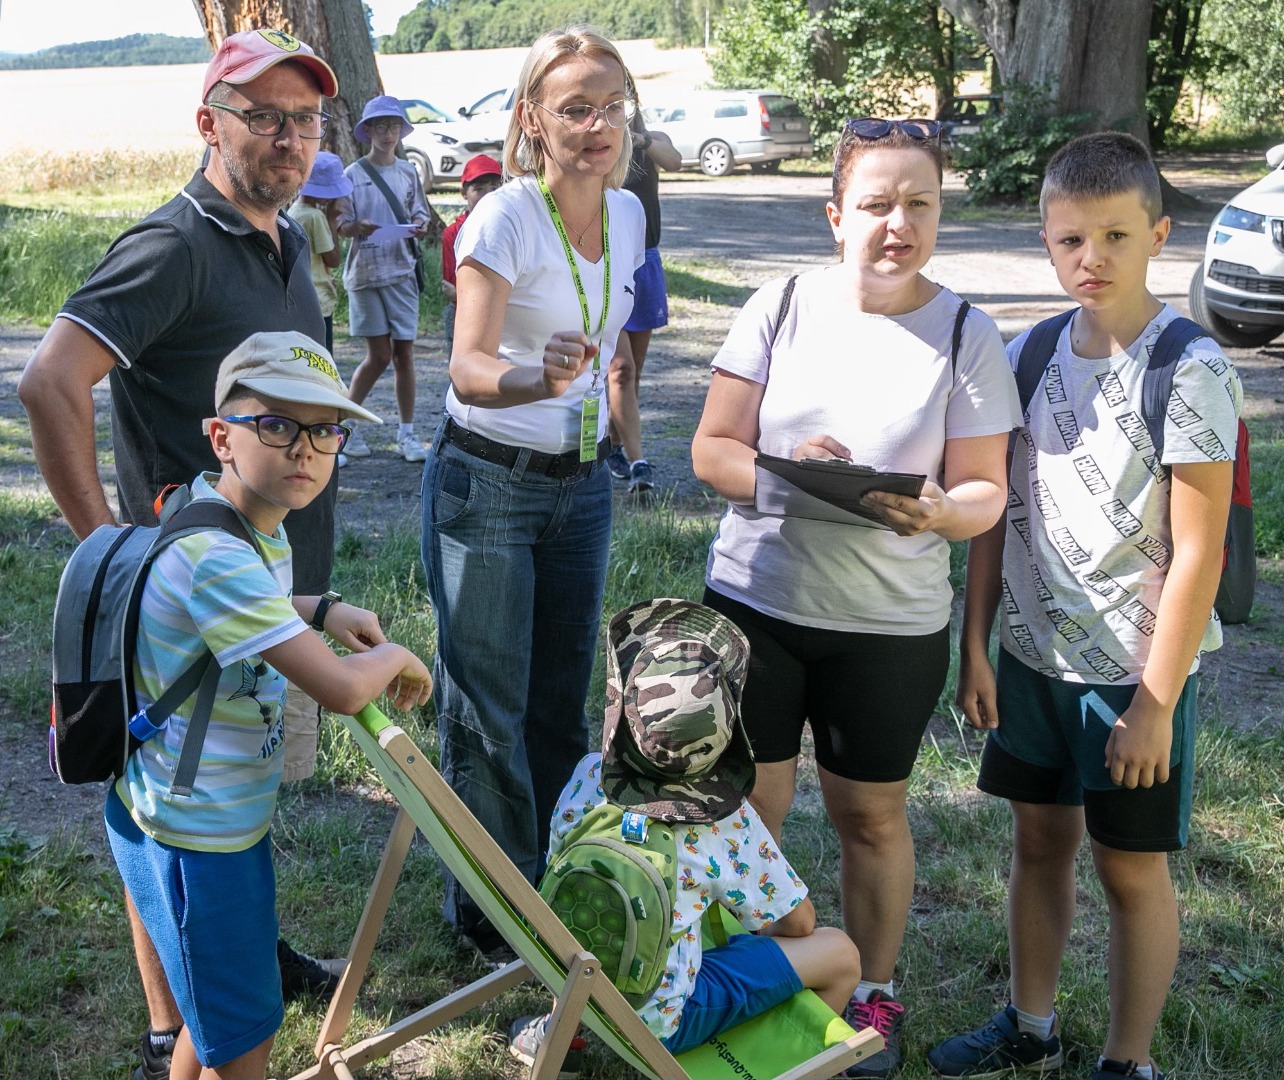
x,y
482,175
171,298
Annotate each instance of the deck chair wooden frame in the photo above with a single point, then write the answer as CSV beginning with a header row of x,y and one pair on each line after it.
x,y
546,949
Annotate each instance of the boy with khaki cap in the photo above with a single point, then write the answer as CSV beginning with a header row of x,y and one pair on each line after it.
x,y
198,867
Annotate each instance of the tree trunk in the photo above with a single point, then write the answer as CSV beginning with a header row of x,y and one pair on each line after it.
x,y
335,29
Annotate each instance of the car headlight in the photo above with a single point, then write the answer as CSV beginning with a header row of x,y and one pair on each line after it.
x,y
447,140
1235,218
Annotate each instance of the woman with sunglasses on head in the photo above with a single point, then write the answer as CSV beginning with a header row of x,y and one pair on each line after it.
x,y
849,626
516,491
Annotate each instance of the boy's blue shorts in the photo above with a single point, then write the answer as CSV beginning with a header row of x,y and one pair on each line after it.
x,y
650,295
1050,749
736,982
212,918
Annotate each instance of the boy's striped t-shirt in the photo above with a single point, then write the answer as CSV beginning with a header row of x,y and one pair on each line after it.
x,y
210,590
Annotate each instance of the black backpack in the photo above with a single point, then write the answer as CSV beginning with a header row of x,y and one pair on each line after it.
x,y
1239,558
95,723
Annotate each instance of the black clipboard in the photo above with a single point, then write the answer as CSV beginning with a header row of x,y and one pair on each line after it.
x,y
826,489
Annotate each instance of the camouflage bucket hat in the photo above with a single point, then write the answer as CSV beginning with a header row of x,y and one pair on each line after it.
x,y
672,744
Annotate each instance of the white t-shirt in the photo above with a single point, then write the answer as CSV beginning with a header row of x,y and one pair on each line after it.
x,y
511,233
883,386
1089,535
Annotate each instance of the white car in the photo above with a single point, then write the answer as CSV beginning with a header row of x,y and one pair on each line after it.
x,y
720,129
440,146
1237,294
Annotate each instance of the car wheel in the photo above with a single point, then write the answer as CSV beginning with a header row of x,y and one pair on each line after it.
x,y
716,159
423,167
766,166
1232,335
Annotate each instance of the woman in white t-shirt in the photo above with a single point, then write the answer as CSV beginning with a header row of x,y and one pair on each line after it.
x,y
872,362
516,491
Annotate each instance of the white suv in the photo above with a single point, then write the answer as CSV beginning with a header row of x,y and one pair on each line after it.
x,y
720,129
1237,295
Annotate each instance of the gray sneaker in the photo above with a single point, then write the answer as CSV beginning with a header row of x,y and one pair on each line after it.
x,y
885,1015
526,1033
617,461
356,446
996,1049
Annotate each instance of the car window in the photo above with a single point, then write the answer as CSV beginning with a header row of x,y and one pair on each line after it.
x,y
782,107
730,108
676,114
496,99
419,112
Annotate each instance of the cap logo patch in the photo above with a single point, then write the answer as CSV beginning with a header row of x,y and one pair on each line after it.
x,y
315,361
281,40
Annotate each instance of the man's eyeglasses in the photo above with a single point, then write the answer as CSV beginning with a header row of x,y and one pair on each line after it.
x,y
282,432
583,117
309,123
872,127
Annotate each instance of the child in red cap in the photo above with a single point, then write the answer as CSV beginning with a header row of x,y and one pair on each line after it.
x,y
482,175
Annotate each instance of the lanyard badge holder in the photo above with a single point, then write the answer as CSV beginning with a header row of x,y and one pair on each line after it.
x,y
591,406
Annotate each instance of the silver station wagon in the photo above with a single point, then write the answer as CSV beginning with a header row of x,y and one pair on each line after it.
x,y
720,129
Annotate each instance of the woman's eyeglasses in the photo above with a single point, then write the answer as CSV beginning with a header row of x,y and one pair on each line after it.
x,y
583,117
872,127
281,432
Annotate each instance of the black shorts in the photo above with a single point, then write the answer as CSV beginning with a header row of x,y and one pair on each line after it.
x,y
867,697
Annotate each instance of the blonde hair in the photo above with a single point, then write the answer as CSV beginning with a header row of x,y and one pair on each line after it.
x,y
523,155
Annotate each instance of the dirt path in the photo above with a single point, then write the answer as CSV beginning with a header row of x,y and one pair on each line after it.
x,y
750,228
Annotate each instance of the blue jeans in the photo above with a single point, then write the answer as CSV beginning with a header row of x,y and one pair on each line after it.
x,y
516,568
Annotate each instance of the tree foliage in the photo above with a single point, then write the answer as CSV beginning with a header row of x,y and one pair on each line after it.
x,y
495,24
838,59
130,51
1243,43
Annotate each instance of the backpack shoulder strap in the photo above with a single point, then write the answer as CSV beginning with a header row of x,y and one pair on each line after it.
x,y
786,298
1037,352
398,210
1157,385
201,676
957,342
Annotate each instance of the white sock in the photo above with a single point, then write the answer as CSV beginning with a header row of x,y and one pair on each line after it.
x,y
405,429
865,988
1146,1072
1035,1025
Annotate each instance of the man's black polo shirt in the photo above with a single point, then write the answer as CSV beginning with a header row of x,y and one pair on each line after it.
x,y
172,297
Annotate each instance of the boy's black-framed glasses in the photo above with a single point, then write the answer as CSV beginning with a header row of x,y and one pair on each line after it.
x,y
309,123
582,117
873,127
282,432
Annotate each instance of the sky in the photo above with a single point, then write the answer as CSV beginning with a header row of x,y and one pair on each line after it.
x,y
28,25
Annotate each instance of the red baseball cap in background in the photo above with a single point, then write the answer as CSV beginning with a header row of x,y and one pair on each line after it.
x,y
245,56
481,165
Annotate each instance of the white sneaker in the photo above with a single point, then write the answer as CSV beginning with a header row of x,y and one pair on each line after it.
x,y
356,446
410,448
343,459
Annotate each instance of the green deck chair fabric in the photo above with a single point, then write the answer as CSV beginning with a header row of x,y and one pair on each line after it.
x,y
800,1038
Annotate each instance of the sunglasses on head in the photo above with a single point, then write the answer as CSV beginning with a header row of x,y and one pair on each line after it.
x,y
872,127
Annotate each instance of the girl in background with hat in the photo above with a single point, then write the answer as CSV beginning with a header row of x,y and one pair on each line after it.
x,y
314,211
482,175
516,494
380,277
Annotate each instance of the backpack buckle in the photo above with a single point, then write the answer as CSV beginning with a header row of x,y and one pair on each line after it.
x,y
141,727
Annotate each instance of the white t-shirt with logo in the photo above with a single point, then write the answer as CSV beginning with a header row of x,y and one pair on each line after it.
x,y
1089,537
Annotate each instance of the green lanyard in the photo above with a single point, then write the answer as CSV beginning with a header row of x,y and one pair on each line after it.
x,y
575,272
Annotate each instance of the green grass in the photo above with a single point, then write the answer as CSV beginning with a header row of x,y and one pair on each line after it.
x,y
1266,454
709,282
70,981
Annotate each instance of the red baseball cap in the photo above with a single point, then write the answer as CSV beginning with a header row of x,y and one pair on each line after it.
x,y
245,56
481,165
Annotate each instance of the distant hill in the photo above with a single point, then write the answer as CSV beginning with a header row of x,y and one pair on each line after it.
x,y
136,49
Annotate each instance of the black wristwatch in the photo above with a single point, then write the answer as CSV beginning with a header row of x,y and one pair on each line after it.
x,y
323,605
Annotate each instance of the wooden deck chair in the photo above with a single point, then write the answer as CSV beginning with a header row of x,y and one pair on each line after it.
x,y
546,950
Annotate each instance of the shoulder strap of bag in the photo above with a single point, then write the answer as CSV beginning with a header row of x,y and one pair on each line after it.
x,y
398,211
1157,386
785,298
957,341
203,674
1039,347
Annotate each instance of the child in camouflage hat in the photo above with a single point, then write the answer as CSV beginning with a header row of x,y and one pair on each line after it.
x,y
673,749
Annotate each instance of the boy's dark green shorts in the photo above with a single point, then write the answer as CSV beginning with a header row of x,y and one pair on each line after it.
x,y
1050,748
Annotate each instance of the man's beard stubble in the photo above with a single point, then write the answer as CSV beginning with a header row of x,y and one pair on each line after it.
x,y
254,187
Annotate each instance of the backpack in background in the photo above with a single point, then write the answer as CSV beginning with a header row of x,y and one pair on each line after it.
x,y
613,884
1239,554
95,723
